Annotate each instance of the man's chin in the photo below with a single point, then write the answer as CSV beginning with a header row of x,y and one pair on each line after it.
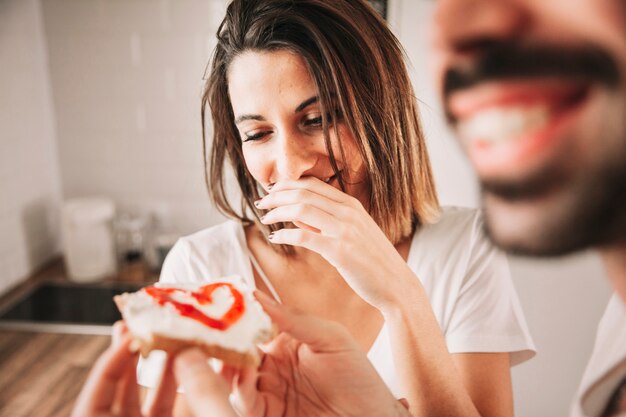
x,y
530,228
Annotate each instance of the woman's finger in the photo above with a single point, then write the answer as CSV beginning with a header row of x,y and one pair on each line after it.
x,y
299,196
305,239
318,334
302,213
313,184
228,373
301,225
246,397
268,374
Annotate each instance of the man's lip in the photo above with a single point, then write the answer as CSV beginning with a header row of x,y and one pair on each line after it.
x,y
511,129
552,93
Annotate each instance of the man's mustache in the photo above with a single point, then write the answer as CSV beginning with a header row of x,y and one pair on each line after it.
x,y
512,60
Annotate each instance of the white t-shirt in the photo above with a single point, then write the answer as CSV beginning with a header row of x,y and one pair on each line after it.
x,y
607,366
467,281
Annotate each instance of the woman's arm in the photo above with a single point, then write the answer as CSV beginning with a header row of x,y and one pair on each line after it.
x,y
487,378
436,382
341,230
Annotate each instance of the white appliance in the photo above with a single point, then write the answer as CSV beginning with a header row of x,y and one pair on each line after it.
x,y
88,243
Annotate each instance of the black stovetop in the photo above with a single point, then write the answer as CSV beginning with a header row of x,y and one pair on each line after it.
x,y
69,303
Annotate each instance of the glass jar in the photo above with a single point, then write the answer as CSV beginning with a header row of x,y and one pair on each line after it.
x,y
131,232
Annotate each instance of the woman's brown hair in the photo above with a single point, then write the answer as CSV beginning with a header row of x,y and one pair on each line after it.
x,y
358,67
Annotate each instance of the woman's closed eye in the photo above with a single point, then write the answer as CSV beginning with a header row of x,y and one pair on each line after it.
x,y
255,135
313,121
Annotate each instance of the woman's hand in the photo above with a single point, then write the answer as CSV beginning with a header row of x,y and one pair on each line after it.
x,y
314,367
338,227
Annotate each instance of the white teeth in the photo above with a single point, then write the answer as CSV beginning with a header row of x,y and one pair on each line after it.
x,y
503,123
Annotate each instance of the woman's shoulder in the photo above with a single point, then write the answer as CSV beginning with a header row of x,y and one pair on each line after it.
x,y
220,234
212,252
452,223
214,242
454,236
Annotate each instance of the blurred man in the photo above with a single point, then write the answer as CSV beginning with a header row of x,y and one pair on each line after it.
x,y
536,91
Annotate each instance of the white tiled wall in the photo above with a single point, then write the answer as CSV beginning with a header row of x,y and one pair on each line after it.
x,y
102,98
126,79
29,177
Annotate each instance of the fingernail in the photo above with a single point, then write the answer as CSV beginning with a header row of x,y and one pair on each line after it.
x,y
134,346
271,235
263,218
257,202
270,186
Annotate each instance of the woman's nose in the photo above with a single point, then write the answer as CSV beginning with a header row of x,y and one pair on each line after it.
x,y
294,157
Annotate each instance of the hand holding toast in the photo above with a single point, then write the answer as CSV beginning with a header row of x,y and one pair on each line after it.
x,y
314,367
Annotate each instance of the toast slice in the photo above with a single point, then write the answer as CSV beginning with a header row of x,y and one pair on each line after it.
x,y
221,317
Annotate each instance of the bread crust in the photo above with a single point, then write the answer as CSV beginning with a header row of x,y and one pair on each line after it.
x,y
173,346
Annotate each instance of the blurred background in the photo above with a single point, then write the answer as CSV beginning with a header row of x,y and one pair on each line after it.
x,y
101,98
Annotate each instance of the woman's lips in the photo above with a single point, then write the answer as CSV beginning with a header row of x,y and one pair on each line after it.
x,y
509,127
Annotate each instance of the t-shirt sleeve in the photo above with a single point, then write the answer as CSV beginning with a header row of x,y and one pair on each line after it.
x,y
487,315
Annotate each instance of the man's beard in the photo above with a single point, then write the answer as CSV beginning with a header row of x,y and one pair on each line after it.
x,y
593,215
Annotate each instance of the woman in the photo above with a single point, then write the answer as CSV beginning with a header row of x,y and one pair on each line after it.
x,y
312,106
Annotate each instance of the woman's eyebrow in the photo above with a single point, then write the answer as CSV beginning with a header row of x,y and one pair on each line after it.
x,y
260,118
245,117
306,103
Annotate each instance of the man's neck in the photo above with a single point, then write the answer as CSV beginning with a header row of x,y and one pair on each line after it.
x,y
614,258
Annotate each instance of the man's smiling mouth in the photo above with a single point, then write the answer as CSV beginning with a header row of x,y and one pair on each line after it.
x,y
508,125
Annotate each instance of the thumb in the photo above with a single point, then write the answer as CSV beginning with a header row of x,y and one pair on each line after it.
x,y
205,391
318,334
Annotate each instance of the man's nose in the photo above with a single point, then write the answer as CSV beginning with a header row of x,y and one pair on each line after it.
x,y
465,25
295,157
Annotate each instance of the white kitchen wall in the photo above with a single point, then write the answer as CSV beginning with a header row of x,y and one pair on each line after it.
x,y
563,298
29,177
127,78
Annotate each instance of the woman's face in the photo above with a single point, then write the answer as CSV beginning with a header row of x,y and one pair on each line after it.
x,y
279,119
